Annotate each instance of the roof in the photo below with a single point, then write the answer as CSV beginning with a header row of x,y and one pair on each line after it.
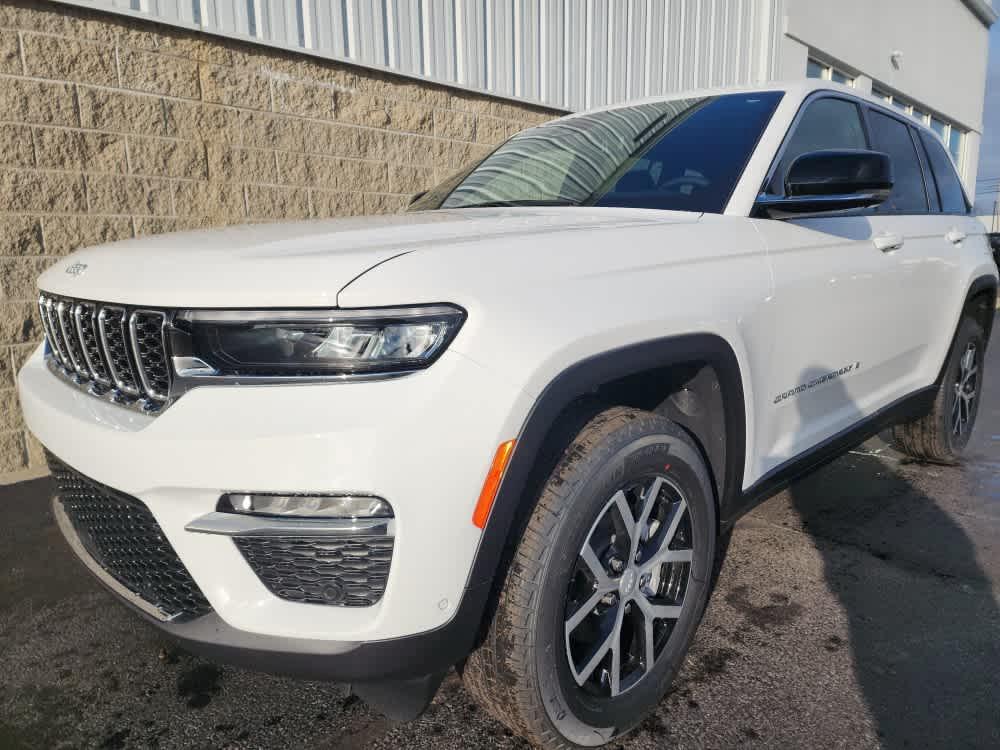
x,y
799,88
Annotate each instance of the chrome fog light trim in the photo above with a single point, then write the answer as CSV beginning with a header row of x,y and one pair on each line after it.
x,y
245,525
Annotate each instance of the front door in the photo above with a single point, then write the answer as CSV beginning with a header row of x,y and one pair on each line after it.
x,y
839,302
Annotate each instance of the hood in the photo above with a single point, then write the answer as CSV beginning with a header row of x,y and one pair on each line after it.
x,y
300,264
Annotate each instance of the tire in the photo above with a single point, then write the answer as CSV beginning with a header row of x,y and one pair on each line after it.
x,y
527,673
936,437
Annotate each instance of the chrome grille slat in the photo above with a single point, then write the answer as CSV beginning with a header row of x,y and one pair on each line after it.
x,y
44,310
85,315
64,315
57,337
147,338
111,322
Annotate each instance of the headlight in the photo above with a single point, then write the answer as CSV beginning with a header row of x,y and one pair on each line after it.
x,y
318,342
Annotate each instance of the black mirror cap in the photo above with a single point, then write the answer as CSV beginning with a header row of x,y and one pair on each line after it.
x,y
839,172
820,182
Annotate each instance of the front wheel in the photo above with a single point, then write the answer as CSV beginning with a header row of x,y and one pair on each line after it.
x,y
942,435
606,587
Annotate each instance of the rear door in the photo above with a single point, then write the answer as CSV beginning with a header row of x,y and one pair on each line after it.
x,y
838,304
910,230
956,231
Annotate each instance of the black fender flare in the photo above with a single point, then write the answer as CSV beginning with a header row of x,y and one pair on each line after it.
x,y
515,497
980,284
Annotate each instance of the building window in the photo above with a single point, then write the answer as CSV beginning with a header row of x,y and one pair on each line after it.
x,y
951,135
817,69
879,94
955,140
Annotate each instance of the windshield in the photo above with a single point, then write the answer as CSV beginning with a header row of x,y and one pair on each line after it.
x,y
683,154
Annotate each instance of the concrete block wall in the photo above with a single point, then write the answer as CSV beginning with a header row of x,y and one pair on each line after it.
x,y
112,128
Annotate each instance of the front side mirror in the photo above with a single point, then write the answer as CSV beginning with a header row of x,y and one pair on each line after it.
x,y
822,181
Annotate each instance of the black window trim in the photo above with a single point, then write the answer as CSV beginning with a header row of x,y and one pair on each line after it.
x,y
911,127
864,106
925,154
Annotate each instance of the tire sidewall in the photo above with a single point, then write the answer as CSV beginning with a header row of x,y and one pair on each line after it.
x,y
579,718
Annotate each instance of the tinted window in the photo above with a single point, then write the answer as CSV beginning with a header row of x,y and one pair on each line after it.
x,y
683,154
948,186
695,166
892,136
826,124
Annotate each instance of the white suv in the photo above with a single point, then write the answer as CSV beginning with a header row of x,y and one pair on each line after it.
x,y
507,430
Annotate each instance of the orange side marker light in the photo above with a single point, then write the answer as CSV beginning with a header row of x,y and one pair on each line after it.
x,y
492,484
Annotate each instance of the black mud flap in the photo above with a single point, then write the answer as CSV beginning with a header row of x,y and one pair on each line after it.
x,y
400,700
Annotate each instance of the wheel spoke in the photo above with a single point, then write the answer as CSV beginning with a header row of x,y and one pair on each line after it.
x,y
581,614
621,502
675,521
648,643
648,501
589,557
667,556
658,611
600,652
616,654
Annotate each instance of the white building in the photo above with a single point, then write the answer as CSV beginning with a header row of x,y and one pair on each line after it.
x,y
927,57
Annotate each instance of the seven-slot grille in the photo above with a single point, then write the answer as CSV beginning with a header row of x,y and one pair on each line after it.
x,y
114,349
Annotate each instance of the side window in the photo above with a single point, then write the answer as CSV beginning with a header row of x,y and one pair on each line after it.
x,y
948,186
893,137
827,123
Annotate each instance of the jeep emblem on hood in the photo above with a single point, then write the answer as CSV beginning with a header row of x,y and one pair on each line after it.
x,y
76,269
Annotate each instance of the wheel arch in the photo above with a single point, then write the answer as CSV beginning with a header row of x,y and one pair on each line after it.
x,y
981,302
700,387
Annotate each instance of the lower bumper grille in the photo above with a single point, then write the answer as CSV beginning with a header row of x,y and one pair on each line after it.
x,y
345,571
122,537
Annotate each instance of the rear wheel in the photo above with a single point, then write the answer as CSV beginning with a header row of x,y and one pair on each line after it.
x,y
606,587
942,435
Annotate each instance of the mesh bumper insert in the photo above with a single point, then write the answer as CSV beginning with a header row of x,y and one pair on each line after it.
x,y
122,537
345,571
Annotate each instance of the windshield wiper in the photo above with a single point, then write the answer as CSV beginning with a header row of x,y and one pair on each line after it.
x,y
522,203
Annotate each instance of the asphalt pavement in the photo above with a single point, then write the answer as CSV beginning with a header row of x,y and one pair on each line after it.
x,y
857,610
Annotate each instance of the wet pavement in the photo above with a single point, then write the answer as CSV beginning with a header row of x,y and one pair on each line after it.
x,y
859,609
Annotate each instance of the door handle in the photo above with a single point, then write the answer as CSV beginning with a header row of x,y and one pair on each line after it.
x,y
955,236
888,242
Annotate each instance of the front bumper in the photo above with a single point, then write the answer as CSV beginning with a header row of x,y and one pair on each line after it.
x,y
423,442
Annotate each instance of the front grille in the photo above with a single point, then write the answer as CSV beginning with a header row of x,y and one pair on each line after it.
x,y
121,535
114,350
346,571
